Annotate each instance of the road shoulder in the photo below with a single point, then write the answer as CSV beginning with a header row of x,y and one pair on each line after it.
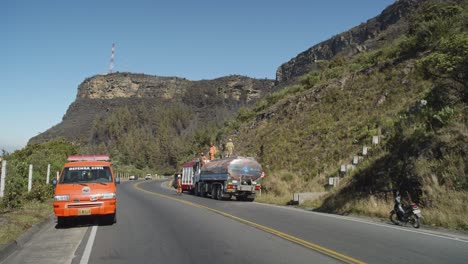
x,y
9,248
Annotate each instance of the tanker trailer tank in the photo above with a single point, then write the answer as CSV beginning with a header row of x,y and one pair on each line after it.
x,y
224,178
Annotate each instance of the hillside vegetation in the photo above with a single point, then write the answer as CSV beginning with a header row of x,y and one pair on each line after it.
x,y
16,194
154,137
412,93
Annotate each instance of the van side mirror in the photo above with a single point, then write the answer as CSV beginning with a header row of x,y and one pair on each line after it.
x,y
54,182
117,180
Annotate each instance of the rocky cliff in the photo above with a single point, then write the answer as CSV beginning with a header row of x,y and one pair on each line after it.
x,y
129,85
101,94
367,36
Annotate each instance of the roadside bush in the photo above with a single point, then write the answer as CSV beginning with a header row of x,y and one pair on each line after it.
x,y
40,192
15,185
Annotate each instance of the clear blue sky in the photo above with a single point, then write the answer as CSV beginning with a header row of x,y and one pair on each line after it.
x,y
47,48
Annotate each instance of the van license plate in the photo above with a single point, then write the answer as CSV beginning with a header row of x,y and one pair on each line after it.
x,y
84,211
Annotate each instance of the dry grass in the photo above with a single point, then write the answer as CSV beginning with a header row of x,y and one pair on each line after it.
x,y
445,208
451,210
270,198
283,182
278,188
14,223
372,207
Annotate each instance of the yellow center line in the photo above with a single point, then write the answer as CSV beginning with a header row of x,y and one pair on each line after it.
x,y
296,240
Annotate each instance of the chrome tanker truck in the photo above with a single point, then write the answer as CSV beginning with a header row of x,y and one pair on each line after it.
x,y
228,177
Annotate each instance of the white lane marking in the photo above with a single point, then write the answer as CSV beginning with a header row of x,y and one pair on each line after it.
x,y
89,246
367,222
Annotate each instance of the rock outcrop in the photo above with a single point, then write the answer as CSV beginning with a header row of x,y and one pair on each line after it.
x,y
129,85
102,94
366,36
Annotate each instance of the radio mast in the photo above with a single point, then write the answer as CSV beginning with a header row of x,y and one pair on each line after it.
x,y
111,66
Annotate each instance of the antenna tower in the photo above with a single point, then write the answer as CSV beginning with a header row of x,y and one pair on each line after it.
x,y
111,67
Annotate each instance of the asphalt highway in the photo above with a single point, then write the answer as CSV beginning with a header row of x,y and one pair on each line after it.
x,y
156,226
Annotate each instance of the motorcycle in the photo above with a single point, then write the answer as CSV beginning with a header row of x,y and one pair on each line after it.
x,y
412,214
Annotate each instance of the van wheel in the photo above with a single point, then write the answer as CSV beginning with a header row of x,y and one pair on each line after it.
x,y
109,219
62,221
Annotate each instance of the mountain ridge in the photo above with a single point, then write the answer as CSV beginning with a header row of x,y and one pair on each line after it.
x,y
101,94
364,37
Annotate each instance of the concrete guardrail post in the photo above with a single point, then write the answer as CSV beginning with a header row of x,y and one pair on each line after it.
x,y
48,174
2,178
30,177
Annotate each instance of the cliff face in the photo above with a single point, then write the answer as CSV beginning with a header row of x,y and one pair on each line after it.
x,y
366,36
101,94
128,85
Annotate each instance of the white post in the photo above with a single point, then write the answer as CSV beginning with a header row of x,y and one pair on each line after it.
x,y
355,160
2,179
48,173
375,140
30,177
57,175
343,168
364,151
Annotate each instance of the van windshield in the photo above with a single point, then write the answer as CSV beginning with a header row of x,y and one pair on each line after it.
x,y
86,175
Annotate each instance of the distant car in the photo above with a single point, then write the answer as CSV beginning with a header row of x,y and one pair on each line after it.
x,y
148,177
132,177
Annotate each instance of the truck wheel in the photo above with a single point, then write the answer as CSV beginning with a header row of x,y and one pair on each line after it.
x,y
213,191
249,199
240,198
219,193
197,191
202,191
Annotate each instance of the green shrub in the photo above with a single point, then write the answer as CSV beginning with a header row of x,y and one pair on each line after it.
x,y
15,185
310,79
39,155
40,192
245,114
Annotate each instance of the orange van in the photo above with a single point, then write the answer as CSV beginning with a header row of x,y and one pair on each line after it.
x,y
86,187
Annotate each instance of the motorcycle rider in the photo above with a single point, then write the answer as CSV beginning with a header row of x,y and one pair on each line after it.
x,y
398,206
